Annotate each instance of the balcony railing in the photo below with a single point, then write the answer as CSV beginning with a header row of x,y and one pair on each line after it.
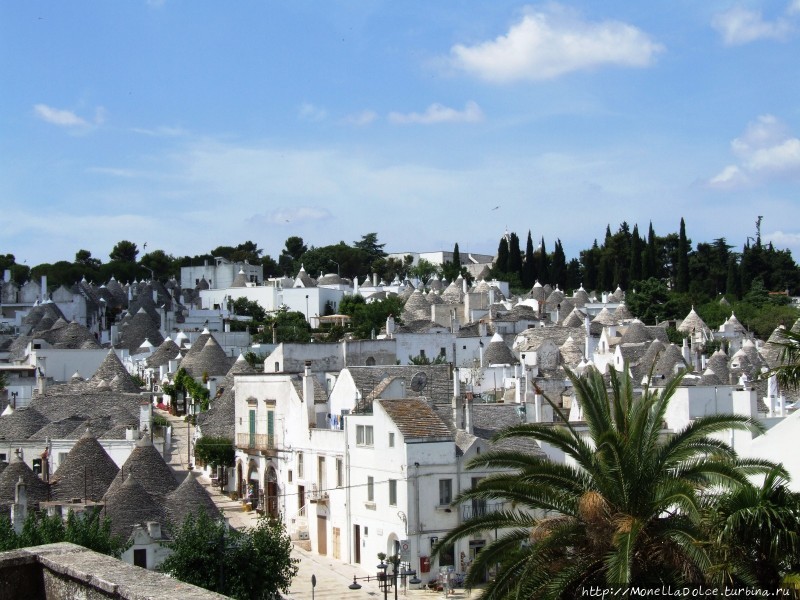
x,y
480,509
255,441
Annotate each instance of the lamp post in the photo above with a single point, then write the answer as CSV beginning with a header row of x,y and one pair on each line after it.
x,y
337,266
383,576
307,308
14,400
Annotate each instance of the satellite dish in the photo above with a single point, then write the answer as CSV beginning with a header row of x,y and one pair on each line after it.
x,y
419,381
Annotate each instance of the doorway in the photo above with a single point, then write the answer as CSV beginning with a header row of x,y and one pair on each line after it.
x,y
322,535
357,544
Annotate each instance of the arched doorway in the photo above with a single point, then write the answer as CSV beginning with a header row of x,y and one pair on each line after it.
x,y
272,492
251,494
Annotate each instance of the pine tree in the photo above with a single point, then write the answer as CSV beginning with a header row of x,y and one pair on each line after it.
x,y
682,277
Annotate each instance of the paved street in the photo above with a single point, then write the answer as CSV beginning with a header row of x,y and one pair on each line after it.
x,y
333,576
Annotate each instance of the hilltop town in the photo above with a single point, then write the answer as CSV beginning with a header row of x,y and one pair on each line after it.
x,y
348,409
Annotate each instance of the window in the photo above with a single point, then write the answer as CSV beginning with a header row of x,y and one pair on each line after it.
x,y
445,492
370,489
391,440
364,435
289,476
300,465
442,352
447,556
422,353
339,472
321,478
393,492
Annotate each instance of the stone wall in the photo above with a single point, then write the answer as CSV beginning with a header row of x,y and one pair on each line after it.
x,y
66,571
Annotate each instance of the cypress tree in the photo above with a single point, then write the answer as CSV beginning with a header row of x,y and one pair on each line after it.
x,y
529,267
635,267
682,277
501,266
733,289
543,268
651,270
558,266
514,256
456,257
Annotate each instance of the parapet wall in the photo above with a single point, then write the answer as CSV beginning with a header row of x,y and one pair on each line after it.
x,y
66,571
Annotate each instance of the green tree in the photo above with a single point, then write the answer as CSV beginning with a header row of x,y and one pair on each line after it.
x,y
624,509
215,451
756,533
682,276
369,318
529,265
89,530
501,264
293,250
514,256
423,270
452,269
249,564
124,251
84,257
160,265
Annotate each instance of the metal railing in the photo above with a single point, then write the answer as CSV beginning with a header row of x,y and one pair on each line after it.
x,y
255,441
480,509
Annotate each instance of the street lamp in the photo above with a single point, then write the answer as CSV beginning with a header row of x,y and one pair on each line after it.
x,y
383,576
337,266
306,307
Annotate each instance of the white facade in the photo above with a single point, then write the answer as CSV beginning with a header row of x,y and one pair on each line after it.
x,y
220,274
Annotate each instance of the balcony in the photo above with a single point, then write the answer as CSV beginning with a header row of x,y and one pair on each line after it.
x,y
480,509
257,442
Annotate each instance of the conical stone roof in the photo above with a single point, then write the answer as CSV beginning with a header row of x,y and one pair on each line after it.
x,y
497,353
36,488
149,469
129,505
581,297
141,327
190,498
417,308
166,352
211,361
111,368
86,472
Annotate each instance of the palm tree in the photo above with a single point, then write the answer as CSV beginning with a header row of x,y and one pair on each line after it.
x,y
788,369
756,533
623,509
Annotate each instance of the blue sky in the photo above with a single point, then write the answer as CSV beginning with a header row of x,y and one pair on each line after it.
x,y
189,125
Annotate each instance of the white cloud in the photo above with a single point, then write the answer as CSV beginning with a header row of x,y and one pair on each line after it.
x,y
438,113
793,8
67,118
360,119
160,131
729,178
549,43
64,118
740,25
294,215
766,149
309,112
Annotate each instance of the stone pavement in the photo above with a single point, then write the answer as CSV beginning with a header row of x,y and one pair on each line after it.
x,y
333,576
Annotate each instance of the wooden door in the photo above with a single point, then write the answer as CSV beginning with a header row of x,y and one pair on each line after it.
x,y
322,535
337,539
